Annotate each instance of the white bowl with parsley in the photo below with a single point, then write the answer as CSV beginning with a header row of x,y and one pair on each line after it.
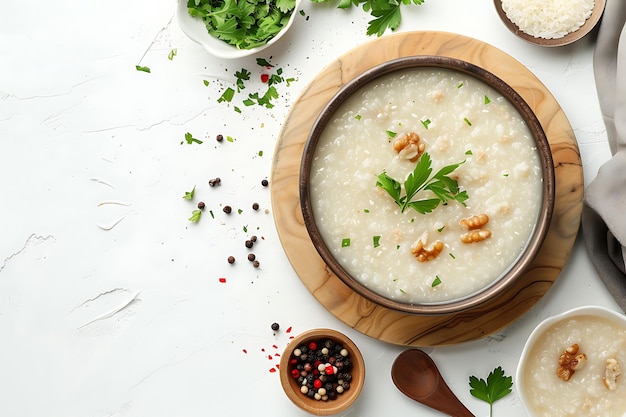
x,y
228,29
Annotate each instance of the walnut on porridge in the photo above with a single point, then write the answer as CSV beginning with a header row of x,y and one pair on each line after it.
x,y
570,360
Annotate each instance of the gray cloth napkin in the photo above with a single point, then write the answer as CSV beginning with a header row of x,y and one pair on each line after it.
x,y
604,208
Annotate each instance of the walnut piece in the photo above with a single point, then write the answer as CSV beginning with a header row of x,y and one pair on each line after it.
x,y
611,372
570,361
409,146
425,253
474,222
475,236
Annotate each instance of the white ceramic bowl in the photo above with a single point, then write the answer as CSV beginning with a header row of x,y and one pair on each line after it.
x,y
561,329
196,30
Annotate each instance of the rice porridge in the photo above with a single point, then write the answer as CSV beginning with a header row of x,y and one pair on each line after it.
x,y
596,389
388,126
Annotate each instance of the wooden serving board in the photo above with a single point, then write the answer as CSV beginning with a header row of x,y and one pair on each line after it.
x,y
390,325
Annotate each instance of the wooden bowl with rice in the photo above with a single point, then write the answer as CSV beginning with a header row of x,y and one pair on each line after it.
x,y
550,23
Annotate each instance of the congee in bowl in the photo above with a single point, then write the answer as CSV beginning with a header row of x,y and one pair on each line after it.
x,y
427,185
572,365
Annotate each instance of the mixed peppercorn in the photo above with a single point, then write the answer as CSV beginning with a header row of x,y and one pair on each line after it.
x,y
322,369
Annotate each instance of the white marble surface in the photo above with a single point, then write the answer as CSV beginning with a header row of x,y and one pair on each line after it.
x,y
81,129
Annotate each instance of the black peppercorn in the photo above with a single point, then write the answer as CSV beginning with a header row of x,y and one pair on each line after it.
x,y
265,183
249,244
227,209
256,264
255,206
219,138
215,181
251,257
275,326
231,259
201,205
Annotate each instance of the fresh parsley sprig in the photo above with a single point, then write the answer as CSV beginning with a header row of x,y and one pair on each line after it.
x,y
443,187
386,13
495,388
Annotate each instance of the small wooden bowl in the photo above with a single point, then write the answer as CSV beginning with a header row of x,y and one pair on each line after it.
x,y
590,23
292,387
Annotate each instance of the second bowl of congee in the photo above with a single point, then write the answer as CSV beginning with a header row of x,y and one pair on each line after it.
x,y
427,185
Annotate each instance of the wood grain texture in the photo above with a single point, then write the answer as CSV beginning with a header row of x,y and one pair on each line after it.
x,y
390,325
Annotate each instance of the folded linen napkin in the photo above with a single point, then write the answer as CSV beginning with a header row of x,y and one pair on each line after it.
x,y
604,207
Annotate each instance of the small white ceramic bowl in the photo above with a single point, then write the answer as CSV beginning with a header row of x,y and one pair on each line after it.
x,y
601,335
196,30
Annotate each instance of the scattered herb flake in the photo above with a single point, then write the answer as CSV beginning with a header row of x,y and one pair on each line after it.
x,y
441,229
466,120
459,85
190,139
376,241
227,96
189,194
211,213
345,242
263,62
469,152
142,69
436,281
426,123
230,139
206,83
366,211
495,388
487,100
239,211
452,255
172,54
391,133
358,117
260,153
195,216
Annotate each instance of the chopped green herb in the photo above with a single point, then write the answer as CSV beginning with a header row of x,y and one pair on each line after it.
x,y
206,82
452,255
245,228
143,69
366,211
487,100
466,120
260,153
227,96
211,213
391,133
376,241
397,247
426,123
495,388
469,152
172,54
237,109
345,242
441,229
459,85
505,174
443,187
190,139
241,77
195,216
358,117
436,281
402,291
230,139
263,63
244,24
189,194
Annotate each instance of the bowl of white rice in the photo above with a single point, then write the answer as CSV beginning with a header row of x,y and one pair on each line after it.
x,y
427,185
550,22
574,365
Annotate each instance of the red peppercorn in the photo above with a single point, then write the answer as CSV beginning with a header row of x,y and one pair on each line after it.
x,y
317,384
295,373
265,77
312,345
329,370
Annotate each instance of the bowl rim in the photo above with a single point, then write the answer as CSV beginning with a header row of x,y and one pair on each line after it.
x,y
537,237
195,29
322,408
581,32
531,340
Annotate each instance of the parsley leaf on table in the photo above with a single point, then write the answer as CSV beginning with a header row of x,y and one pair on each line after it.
x,y
495,388
386,13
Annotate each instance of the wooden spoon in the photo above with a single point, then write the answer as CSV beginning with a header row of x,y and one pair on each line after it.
x,y
416,376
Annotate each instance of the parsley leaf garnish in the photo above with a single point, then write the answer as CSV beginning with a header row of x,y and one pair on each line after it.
x,y
189,194
386,13
195,216
495,388
440,184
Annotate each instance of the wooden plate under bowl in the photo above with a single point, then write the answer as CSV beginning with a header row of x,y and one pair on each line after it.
x,y
390,325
